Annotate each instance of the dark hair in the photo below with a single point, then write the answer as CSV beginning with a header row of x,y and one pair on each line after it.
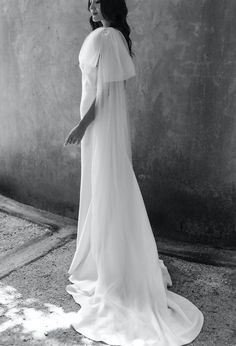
x,y
116,12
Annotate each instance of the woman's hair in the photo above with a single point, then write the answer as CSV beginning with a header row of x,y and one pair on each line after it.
x,y
116,12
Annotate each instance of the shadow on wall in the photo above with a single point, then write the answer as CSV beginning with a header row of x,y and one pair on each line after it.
x,y
10,188
188,207
186,165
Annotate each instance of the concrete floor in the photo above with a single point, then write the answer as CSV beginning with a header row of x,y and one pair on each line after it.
x,y
18,231
35,309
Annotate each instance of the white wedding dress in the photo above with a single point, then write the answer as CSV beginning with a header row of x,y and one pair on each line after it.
x,y
116,275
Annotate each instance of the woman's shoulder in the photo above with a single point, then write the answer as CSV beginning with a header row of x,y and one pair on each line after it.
x,y
98,40
102,31
102,35
95,35
110,34
93,39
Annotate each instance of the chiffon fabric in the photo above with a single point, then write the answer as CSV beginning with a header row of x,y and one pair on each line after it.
x,y
116,275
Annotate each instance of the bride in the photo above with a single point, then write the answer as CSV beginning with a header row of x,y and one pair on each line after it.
x,y
116,275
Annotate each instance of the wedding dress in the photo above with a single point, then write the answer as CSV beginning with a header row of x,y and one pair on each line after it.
x,y
116,274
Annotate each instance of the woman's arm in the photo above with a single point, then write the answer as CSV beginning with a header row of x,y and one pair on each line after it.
x,y
76,134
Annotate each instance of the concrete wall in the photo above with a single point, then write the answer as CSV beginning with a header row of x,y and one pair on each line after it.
x,y
182,107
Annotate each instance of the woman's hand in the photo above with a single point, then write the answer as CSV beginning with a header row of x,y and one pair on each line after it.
x,y
76,134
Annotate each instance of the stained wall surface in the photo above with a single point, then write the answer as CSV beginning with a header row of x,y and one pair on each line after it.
x,y
182,109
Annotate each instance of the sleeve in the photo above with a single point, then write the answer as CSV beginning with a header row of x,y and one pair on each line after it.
x,y
115,62
111,126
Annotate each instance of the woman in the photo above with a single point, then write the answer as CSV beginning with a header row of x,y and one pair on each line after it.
x,y
116,274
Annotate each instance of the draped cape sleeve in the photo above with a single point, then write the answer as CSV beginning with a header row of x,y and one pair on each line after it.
x,y
115,63
107,49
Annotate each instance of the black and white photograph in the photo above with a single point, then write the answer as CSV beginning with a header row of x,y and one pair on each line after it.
x,y
117,172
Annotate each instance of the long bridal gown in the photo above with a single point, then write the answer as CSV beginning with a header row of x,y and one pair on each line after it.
x,y
116,275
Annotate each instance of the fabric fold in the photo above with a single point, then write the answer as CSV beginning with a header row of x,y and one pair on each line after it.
x,y
116,274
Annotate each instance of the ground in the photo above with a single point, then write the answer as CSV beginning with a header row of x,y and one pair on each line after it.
x,y
35,308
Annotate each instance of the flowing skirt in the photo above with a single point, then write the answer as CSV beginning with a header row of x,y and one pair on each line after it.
x,y
116,275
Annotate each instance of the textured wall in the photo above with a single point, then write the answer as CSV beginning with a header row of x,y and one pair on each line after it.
x,y
182,107
185,118
40,95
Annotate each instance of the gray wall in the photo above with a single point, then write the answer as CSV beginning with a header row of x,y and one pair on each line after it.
x,y
182,107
